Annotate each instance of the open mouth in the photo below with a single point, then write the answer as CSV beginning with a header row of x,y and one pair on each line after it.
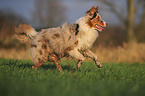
x,y
99,28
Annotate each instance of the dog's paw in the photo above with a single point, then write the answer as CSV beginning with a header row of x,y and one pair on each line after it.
x,y
79,65
98,64
34,67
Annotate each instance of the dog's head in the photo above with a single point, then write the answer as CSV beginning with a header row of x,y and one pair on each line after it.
x,y
95,19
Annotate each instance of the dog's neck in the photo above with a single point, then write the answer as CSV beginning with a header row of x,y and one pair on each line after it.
x,y
86,35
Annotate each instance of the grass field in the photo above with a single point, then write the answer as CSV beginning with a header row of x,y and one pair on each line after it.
x,y
122,79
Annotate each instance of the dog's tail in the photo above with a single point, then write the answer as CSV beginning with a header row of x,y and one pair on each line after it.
x,y
25,33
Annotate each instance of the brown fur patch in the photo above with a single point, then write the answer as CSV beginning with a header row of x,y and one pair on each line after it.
x,y
76,43
47,41
33,45
57,35
39,60
69,48
44,46
40,52
53,37
69,37
90,24
39,40
53,57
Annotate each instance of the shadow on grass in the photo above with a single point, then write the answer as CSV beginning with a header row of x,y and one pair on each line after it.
x,y
47,66
29,64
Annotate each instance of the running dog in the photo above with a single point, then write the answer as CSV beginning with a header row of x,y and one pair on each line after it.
x,y
68,40
89,25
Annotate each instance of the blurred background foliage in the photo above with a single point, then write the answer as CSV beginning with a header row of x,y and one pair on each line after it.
x,y
50,13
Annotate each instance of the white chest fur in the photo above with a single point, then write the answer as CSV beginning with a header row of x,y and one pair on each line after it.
x,y
86,35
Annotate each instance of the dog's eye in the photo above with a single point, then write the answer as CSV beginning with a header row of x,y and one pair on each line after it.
x,y
94,15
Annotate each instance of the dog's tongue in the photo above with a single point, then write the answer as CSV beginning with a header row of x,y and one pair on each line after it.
x,y
100,28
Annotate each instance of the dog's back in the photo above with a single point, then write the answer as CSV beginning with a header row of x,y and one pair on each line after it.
x,y
59,40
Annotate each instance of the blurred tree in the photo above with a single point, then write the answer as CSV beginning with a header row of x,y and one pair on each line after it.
x,y
126,18
130,21
140,30
48,13
8,20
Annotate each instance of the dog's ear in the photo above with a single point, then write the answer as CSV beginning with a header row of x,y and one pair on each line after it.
x,y
97,9
91,11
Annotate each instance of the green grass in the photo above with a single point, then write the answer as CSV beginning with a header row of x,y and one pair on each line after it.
x,y
122,79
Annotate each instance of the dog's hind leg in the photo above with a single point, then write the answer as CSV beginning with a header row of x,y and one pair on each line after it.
x,y
38,61
90,54
56,60
37,65
38,55
77,55
58,66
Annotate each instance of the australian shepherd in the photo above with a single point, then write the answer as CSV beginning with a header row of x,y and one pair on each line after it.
x,y
68,40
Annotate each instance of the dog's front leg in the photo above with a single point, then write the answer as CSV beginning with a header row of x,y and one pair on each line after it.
x,y
90,54
77,55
